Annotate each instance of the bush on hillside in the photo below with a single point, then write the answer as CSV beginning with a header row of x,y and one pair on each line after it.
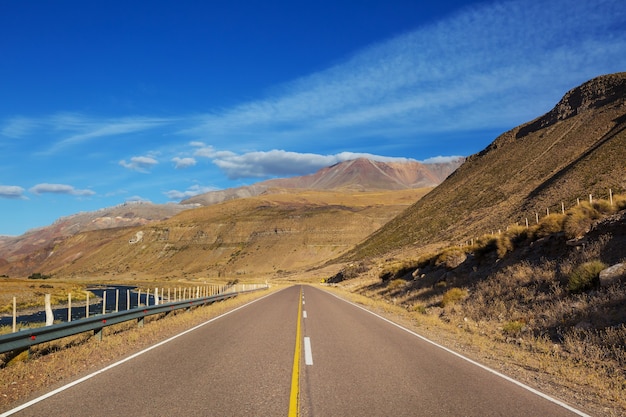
x,y
578,221
585,276
451,257
484,245
453,296
603,207
549,225
397,270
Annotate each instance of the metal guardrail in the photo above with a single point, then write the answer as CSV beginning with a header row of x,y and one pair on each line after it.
x,y
26,338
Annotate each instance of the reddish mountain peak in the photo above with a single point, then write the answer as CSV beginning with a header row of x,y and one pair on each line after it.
x,y
366,174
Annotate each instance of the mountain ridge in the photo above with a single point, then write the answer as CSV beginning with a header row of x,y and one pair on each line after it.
x,y
574,150
359,174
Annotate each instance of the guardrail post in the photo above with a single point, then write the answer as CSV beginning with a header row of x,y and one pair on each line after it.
x,y
97,333
140,322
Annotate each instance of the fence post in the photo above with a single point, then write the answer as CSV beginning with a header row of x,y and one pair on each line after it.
x,y
139,297
128,299
48,308
117,300
562,208
87,306
14,314
590,199
611,196
104,302
69,307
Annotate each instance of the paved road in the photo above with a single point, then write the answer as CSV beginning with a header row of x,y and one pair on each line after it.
x,y
352,364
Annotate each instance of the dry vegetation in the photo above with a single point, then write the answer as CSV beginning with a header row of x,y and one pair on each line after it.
x,y
30,293
528,301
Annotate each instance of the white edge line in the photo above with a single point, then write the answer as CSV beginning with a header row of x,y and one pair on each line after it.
x,y
308,353
113,365
473,362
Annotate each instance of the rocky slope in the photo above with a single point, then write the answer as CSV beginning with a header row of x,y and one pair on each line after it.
x,y
575,150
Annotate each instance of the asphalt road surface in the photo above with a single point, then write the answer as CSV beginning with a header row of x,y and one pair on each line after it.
x,y
339,359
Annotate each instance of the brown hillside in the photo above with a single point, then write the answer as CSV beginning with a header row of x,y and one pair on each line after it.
x,y
257,236
123,215
576,149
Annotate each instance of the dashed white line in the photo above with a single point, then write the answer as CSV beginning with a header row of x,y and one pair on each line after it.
x,y
304,314
308,354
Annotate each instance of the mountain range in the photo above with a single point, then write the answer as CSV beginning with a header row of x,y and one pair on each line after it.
x,y
357,210
343,187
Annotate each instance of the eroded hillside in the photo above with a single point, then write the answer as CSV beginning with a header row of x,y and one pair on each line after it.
x,y
577,149
261,236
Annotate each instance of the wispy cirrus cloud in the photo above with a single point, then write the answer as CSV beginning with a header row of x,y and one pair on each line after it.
x,y
46,188
67,129
482,65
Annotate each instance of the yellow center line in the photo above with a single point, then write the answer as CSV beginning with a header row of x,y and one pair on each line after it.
x,y
295,373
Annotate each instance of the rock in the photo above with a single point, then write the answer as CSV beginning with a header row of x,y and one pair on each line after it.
x,y
612,274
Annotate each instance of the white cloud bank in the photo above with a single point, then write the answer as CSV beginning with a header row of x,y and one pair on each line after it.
x,y
262,164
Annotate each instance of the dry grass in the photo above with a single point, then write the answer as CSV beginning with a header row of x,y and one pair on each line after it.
x,y
533,299
30,293
497,324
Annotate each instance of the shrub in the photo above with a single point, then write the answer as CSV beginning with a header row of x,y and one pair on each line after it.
x,y
453,296
513,328
578,220
484,245
419,308
603,207
550,224
39,275
451,257
585,276
397,270
396,283
619,202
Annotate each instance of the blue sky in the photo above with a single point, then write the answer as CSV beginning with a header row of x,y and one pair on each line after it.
x,y
104,102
